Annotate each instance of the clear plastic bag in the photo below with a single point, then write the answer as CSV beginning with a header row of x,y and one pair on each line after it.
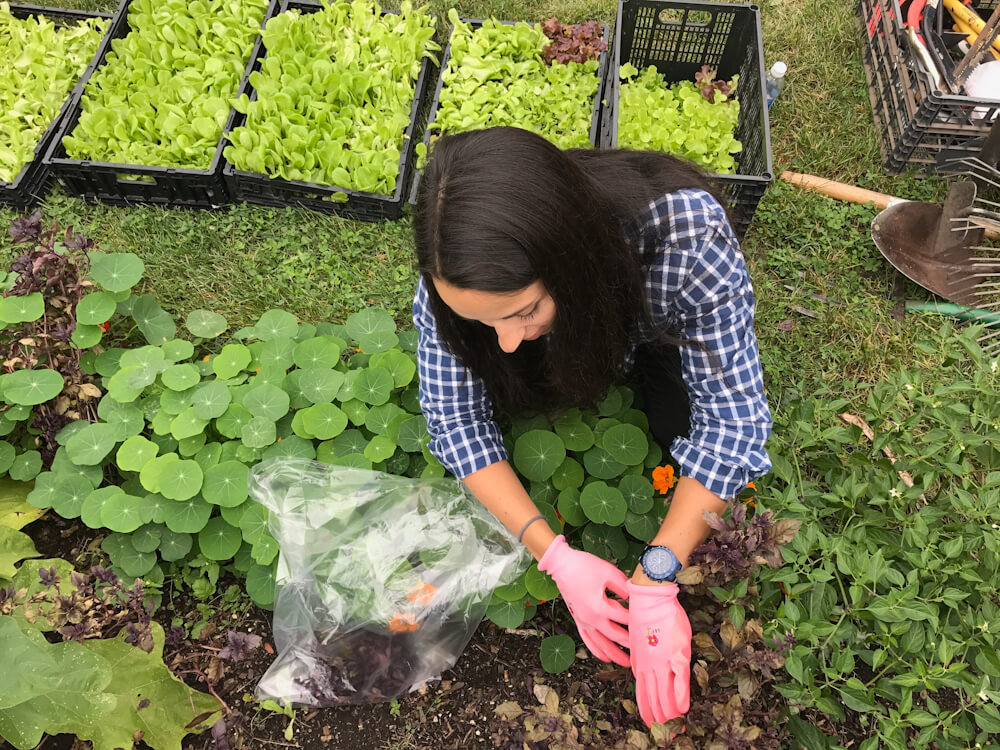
x,y
381,580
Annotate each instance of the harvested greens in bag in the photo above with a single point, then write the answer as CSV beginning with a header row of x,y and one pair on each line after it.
x,y
381,580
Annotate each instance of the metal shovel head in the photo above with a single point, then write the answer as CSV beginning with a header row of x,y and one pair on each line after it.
x,y
907,234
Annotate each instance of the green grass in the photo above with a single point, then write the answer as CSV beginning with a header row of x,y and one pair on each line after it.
x,y
242,260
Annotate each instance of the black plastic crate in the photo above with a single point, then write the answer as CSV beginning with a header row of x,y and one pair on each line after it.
x,y
32,181
275,191
918,124
678,37
128,184
595,125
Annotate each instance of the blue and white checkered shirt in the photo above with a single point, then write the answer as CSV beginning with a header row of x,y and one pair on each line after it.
x,y
699,289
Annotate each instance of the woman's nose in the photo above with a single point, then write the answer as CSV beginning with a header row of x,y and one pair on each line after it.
x,y
509,337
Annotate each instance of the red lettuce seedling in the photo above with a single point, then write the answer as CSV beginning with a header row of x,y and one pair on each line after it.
x,y
572,43
705,78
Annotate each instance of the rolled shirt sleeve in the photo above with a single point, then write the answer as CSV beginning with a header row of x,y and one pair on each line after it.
x,y
699,287
464,436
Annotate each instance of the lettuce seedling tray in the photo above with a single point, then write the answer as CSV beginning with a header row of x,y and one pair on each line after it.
x,y
32,181
602,70
127,184
261,189
678,37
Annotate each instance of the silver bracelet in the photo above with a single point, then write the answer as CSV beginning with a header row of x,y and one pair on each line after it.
x,y
531,521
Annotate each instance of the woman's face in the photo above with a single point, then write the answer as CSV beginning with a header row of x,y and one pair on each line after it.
x,y
518,316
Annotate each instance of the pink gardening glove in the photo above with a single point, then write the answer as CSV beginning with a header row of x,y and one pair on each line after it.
x,y
660,644
582,579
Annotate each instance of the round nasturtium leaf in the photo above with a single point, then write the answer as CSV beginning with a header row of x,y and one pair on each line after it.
x,y
368,321
209,455
277,354
323,421
180,377
205,324
513,591
320,385
187,517
85,337
607,542
379,448
626,443
373,385
174,545
231,361
93,503
558,652
30,387
95,308
265,550
151,474
642,526
218,540
188,423
599,463
380,341
68,493
540,585
506,614
128,383
127,420
638,493
26,466
603,504
135,452
91,443
175,350
174,402
135,564
226,483
379,418
22,308
575,434
321,351
231,423
147,538
121,512
211,399
538,453
569,475
259,432
276,324
569,507
267,401
413,434
401,365
191,445
181,480
291,447
260,585
253,522
144,356
116,272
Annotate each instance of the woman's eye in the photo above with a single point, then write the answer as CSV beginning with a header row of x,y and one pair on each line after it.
x,y
529,316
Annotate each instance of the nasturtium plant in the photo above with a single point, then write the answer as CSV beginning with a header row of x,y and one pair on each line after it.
x,y
678,119
333,96
41,61
497,76
163,93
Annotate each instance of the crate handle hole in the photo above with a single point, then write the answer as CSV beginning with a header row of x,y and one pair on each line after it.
x,y
700,17
131,179
670,15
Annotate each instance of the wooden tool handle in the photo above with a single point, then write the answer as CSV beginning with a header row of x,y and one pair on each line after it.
x,y
839,190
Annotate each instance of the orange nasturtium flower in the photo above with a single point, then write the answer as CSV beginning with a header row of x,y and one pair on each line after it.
x,y
663,479
422,593
402,622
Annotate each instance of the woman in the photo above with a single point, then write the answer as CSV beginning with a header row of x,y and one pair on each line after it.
x,y
547,276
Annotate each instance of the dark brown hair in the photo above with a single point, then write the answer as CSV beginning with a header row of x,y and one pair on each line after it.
x,y
501,208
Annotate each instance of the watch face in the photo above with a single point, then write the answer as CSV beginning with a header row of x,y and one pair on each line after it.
x,y
658,561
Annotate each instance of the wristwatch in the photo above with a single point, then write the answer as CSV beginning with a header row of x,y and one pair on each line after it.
x,y
660,564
